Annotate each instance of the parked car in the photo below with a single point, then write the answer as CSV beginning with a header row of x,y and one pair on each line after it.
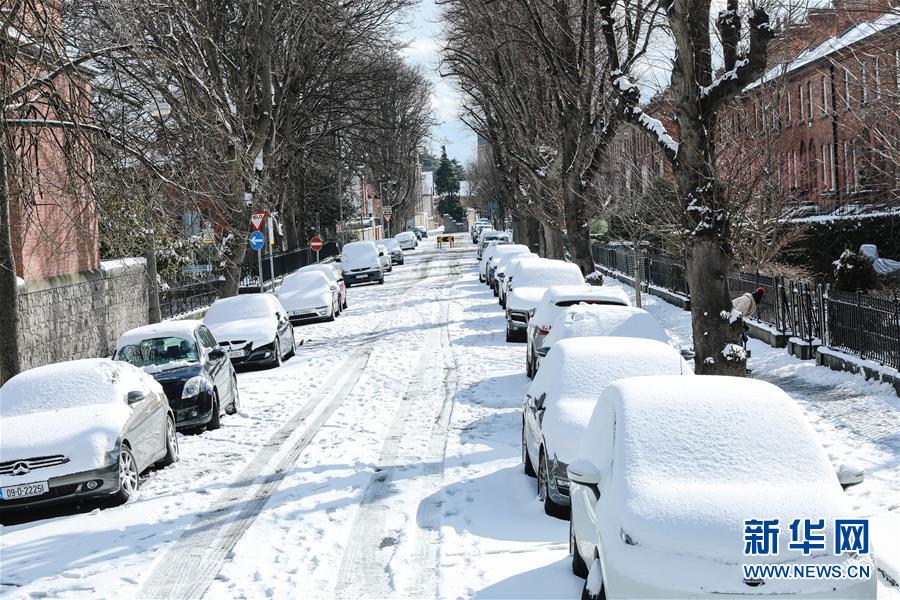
x,y
561,399
477,228
423,233
309,296
78,430
193,370
507,267
360,263
669,469
333,272
497,256
384,256
489,236
415,231
526,290
554,302
498,249
394,249
407,240
253,329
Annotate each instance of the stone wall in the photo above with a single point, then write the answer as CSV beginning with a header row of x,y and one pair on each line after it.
x,y
81,315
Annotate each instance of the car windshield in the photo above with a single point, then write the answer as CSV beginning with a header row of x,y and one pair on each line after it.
x,y
358,251
249,306
391,244
403,237
158,351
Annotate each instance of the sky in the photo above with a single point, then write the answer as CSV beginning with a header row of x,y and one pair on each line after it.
x,y
422,31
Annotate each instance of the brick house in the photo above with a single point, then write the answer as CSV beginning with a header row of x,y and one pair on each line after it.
x,y
822,124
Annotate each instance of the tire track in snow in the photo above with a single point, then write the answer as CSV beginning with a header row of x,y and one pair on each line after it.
x,y
377,532
189,566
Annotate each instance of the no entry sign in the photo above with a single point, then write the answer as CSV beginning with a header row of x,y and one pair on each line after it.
x,y
315,243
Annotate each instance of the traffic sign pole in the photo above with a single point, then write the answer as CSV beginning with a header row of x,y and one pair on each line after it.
x,y
315,244
271,232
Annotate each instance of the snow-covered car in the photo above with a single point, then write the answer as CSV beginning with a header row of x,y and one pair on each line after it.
x,y
562,396
82,429
333,272
384,257
478,227
490,236
531,281
394,249
193,370
407,240
492,256
360,263
621,321
554,302
507,267
309,296
668,471
253,329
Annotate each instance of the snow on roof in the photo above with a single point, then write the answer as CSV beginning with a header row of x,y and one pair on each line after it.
x,y
545,273
851,36
583,320
183,329
576,371
69,384
304,279
694,457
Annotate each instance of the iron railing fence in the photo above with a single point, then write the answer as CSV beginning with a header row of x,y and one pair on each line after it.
x,y
186,296
284,263
863,325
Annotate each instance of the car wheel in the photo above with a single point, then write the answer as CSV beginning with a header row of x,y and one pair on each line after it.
x,y
276,360
345,304
293,350
529,369
496,293
381,281
171,444
579,568
129,479
235,405
593,585
529,469
509,335
551,508
215,419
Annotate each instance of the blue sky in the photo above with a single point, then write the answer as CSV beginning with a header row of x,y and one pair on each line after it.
x,y
422,30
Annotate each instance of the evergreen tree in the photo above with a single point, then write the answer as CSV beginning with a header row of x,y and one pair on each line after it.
x,y
446,177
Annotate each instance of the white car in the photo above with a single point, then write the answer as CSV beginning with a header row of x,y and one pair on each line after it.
x,y
668,471
562,396
309,296
407,240
489,236
394,249
333,272
84,429
253,329
492,255
360,263
554,302
507,267
384,256
528,286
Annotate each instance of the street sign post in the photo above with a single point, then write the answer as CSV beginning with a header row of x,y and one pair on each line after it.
x,y
257,241
271,231
386,213
315,244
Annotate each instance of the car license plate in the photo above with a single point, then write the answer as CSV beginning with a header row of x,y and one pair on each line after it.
x,y
26,490
235,354
366,276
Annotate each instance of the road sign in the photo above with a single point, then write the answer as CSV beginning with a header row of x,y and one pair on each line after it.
x,y
387,210
315,243
257,240
387,217
208,236
257,219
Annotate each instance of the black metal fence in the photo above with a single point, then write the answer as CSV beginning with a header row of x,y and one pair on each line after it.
x,y
284,263
863,325
186,296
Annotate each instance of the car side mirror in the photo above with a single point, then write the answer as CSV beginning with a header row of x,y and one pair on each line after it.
x,y
542,351
216,354
135,396
850,475
584,472
686,353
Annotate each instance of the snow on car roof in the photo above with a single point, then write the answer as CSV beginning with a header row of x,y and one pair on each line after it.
x,y
390,243
68,384
545,273
576,371
327,269
183,329
243,306
358,249
547,311
404,235
696,456
510,262
583,320
303,279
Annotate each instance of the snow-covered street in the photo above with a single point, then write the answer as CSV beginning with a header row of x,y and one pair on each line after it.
x,y
383,460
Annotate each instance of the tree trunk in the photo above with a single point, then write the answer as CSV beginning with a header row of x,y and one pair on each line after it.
x,y
534,235
520,230
153,314
577,227
714,334
290,229
553,242
638,272
10,359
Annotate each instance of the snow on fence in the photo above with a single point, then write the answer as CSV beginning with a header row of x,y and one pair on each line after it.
x,y
855,323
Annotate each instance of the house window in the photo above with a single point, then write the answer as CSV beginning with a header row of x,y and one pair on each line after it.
x,y
800,93
847,87
790,113
796,181
809,95
877,75
864,78
846,167
824,167
831,167
855,171
824,95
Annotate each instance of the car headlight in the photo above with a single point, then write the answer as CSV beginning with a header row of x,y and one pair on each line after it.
x,y
192,387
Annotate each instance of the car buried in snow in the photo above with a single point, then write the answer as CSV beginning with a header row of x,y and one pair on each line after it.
x,y
384,256
393,247
524,293
507,267
670,469
407,240
490,260
489,236
81,430
253,329
554,302
360,263
193,370
309,296
333,272
562,396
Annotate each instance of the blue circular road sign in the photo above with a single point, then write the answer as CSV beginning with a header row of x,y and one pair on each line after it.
x,y
257,241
